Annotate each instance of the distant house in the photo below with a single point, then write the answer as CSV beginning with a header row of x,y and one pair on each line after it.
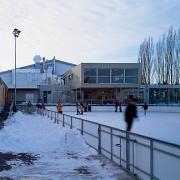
x,y
3,93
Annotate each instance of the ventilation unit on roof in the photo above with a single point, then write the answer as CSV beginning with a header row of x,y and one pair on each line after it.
x,y
37,61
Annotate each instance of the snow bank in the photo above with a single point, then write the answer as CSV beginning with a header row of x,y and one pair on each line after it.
x,y
34,133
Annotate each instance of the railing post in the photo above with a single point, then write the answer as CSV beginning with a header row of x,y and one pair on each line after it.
x,y
151,159
71,123
51,115
99,138
82,127
111,145
55,117
63,120
48,113
120,151
127,151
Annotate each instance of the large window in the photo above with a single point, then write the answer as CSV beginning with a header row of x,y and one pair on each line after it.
x,y
131,76
117,75
103,76
90,75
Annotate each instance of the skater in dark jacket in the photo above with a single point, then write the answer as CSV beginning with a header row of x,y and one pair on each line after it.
x,y
120,108
145,107
116,106
130,114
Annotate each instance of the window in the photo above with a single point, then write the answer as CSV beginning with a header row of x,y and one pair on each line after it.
x,y
131,76
90,75
117,75
103,76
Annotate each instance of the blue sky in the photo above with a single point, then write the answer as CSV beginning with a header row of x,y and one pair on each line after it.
x,y
82,30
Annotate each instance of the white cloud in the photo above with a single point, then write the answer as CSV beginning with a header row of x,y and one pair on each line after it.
x,y
81,30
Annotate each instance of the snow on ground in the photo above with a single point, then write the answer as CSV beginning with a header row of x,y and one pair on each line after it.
x,y
158,125
63,153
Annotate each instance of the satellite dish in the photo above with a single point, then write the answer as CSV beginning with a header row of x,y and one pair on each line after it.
x,y
37,58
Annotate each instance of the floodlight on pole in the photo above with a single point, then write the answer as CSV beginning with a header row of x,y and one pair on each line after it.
x,y
16,33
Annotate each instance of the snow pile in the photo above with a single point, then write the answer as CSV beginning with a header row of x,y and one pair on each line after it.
x,y
35,134
62,152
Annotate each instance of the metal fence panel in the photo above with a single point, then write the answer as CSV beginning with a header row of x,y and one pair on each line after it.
x,y
76,122
91,134
166,161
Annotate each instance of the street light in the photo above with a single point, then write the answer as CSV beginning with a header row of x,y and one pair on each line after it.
x,y
16,33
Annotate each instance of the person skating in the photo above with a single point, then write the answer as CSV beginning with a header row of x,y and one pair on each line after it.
x,y
59,107
130,114
116,106
145,107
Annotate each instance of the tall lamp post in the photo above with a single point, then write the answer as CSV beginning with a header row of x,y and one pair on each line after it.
x,y
16,33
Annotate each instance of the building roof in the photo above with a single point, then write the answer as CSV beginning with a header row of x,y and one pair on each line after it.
x,y
2,82
33,65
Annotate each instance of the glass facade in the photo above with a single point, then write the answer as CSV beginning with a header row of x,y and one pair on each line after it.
x,y
131,76
117,75
103,76
90,75
164,95
110,76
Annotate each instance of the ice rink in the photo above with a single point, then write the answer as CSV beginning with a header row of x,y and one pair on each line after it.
x,y
158,125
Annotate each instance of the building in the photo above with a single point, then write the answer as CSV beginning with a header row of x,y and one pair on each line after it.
x,y
30,78
163,94
97,83
104,83
3,93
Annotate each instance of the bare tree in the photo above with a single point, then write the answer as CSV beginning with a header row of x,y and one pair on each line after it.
x,y
159,63
146,59
170,55
165,62
177,57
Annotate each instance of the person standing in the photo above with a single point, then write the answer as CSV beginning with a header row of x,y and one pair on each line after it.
x,y
43,106
89,107
81,108
59,107
120,108
29,107
145,107
116,106
130,114
77,108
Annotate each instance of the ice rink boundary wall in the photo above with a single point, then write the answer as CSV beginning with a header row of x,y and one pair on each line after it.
x,y
111,108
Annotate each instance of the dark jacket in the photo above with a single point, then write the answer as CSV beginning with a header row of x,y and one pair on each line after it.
x,y
130,113
145,106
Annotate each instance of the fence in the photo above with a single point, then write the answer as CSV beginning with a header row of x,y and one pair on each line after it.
x,y
145,157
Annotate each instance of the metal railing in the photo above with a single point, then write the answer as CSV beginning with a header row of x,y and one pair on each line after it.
x,y
145,157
